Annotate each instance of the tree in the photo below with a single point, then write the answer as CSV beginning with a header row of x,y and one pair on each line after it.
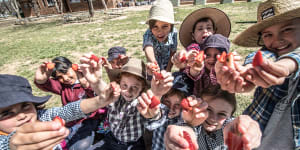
x,y
91,8
16,7
35,7
104,4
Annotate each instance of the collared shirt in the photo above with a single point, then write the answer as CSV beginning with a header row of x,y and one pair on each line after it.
x,y
162,50
68,112
159,128
125,121
265,100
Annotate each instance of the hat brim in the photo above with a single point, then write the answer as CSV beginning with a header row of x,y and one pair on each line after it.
x,y
249,37
220,19
12,98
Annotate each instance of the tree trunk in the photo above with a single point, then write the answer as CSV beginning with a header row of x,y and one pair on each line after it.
x,y
104,4
61,7
15,7
91,8
36,8
56,6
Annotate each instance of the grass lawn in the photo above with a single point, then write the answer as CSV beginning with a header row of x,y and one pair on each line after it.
x,y
24,48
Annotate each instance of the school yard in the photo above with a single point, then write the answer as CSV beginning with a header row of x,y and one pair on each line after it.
x,y
24,47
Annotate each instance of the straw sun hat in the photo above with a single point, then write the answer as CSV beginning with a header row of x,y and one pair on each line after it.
x,y
162,10
268,13
220,19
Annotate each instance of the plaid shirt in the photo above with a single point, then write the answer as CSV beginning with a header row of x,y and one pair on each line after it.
x,y
125,121
213,140
162,51
159,127
265,100
69,112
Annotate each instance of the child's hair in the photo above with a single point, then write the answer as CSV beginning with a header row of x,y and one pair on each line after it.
x,y
226,96
62,64
206,19
173,91
142,80
152,23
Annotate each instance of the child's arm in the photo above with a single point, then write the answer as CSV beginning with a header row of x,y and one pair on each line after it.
x,y
42,74
149,52
246,130
161,87
170,64
196,113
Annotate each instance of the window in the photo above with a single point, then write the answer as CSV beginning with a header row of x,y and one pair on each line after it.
x,y
75,1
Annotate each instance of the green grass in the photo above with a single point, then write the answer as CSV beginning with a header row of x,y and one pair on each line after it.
x,y
24,48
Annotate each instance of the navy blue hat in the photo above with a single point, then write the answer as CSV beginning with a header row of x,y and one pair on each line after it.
x,y
16,89
114,52
217,41
183,83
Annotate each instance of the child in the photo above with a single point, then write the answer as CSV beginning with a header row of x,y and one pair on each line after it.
x,y
126,123
171,108
275,105
197,26
160,40
204,74
24,124
67,82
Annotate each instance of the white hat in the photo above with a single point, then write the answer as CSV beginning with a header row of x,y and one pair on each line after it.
x,y
162,10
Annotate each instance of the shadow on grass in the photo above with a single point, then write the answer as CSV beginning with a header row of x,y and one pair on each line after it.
x,y
37,26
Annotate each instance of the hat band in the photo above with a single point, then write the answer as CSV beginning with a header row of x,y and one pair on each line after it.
x,y
267,13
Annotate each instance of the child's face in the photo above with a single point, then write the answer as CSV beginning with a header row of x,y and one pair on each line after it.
x,y
283,37
202,30
173,103
68,78
17,115
211,57
131,87
161,30
115,64
218,110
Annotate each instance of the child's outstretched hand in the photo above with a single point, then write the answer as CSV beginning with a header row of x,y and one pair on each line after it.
x,y
152,67
242,133
44,72
161,86
109,94
179,59
38,135
176,138
148,104
196,62
268,73
194,110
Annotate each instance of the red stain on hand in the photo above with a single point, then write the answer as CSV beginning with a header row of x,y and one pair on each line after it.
x,y
234,141
188,138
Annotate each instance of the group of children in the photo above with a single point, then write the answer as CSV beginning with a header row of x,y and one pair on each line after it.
x,y
198,99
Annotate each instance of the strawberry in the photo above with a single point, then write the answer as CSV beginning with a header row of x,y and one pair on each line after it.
x,y
234,141
183,58
50,65
95,58
188,138
200,56
158,76
230,60
154,65
222,58
60,120
103,59
258,59
154,102
185,104
75,67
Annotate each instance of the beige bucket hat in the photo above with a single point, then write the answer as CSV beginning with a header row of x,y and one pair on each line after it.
x,y
162,10
220,19
268,13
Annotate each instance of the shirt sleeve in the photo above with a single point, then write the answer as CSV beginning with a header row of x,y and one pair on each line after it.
x,y
68,112
147,39
295,55
4,141
51,85
154,124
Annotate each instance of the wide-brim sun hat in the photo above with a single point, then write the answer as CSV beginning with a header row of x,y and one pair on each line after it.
x,y
161,10
269,13
15,90
220,19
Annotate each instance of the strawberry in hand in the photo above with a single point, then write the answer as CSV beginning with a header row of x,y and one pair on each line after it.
x,y
154,102
50,65
188,138
185,104
158,76
258,59
227,59
200,56
183,58
94,57
60,120
75,67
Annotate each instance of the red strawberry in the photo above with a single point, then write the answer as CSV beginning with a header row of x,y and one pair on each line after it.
x,y
230,60
185,104
234,141
113,86
75,67
154,65
222,58
95,58
158,76
119,56
60,120
154,102
188,138
50,65
183,58
200,56
258,59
